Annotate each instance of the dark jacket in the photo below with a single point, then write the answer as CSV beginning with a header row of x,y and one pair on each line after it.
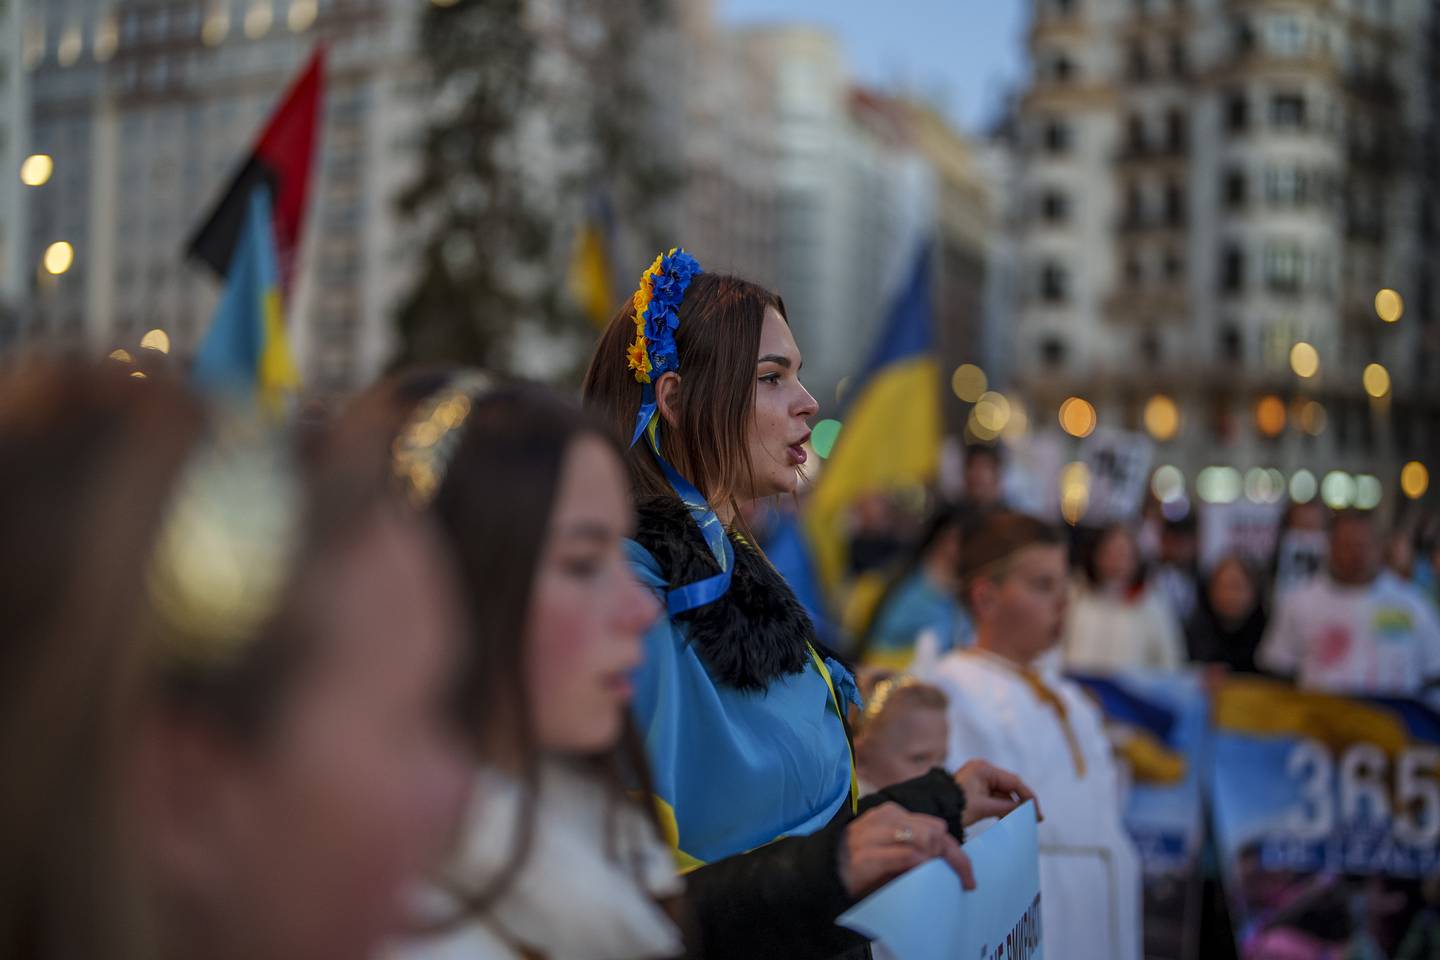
x,y
1234,644
780,900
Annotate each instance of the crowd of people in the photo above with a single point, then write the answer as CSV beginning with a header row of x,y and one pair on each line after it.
x,y
473,669
469,670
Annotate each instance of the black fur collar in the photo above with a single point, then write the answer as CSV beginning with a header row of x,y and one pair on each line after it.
x,y
756,632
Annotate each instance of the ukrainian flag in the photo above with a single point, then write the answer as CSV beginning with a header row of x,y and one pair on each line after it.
x,y
246,350
591,269
891,433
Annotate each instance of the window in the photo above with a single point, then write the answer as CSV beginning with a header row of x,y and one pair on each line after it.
x,y
1283,260
1174,205
1233,189
1287,111
1175,131
1244,37
1052,352
1135,136
1054,206
1150,348
1054,283
1232,270
1134,273
1286,186
1056,137
1232,346
1174,266
1285,35
1139,63
1179,62
1134,215
1062,68
1237,112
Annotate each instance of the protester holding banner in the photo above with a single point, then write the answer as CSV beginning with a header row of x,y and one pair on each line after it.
x,y
740,708
1008,701
1357,628
213,744
1117,620
901,732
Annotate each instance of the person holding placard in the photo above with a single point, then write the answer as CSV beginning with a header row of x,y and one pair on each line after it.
x,y
1008,702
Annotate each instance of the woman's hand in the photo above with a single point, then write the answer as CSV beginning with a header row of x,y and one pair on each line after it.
x,y
883,843
991,792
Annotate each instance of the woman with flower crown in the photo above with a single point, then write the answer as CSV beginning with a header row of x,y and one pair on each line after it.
x,y
740,707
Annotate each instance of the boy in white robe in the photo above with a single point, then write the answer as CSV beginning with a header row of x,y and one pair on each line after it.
x,y
1009,704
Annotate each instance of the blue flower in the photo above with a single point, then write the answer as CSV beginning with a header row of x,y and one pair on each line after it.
x,y
657,325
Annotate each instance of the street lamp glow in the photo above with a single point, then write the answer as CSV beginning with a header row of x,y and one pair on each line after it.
x,y
969,382
302,14
59,256
35,171
1304,360
1270,415
1077,417
121,355
1414,479
1367,491
1218,484
1388,305
157,340
1303,486
1162,417
1338,490
992,411
1313,418
1377,380
1168,484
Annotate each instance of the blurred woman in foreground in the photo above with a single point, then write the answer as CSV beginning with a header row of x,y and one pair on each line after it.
x,y
214,744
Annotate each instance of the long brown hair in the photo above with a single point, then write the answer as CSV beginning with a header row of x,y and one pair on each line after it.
x,y
86,461
493,507
717,343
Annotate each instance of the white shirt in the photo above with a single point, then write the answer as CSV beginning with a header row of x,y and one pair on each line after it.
x,y
1089,872
577,897
1105,633
1377,639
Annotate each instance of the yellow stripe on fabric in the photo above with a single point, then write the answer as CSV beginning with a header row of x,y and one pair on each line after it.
x,y
277,377
891,439
1270,709
670,833
840,711
590,277
895,661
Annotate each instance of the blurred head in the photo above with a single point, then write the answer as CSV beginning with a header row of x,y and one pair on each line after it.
x,y
1304,516
735,416
1178,542
1233,590
1400,552
902,732
280,768
532,499
1354,548
1114,562
1016,583
982,474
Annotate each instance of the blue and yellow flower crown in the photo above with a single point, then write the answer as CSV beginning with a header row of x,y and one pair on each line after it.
x,y
651,354
657,317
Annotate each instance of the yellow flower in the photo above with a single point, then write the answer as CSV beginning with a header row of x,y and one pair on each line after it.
x,y
639,359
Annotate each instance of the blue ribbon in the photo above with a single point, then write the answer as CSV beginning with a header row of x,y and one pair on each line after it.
x,y
710,589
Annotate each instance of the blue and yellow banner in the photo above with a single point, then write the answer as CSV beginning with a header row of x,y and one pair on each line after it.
x,y
1327,820
1159,724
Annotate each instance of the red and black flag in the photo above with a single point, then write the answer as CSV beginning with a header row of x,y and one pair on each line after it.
x,y
281,163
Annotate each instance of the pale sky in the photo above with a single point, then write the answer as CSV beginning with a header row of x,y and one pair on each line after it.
x,y
962,55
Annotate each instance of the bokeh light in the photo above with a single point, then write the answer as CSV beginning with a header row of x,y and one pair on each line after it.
x,y
1077,417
